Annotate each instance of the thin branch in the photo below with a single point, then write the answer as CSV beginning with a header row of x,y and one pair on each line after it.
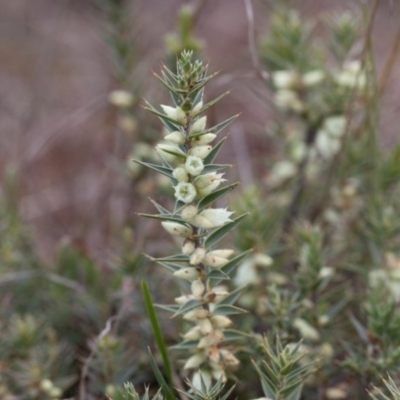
x,y
387,70
252,40
85,368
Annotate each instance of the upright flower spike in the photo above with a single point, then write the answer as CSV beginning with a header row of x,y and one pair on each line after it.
x,y
191,153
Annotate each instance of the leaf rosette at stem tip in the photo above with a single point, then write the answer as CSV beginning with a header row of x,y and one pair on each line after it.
x,y
187,158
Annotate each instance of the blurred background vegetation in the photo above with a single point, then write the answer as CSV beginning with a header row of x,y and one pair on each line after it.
x,y
72,319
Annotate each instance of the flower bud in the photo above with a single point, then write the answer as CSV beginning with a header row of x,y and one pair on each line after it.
x,y
326,350
217,216
205,326
194,361
121,98
288,100
180,174
219,375
176,229
336,393
313,78
307,331
46,385
199,125
225,253
284,79
336,125
188,247
323,320
176,137
206,341
185,192
200,151
175,113
214,261
197,288
183,299
190,274
55,392
196,314
203,139
127,123
229,358
193,334
201,222
214,355
209,179
219,295
197,108
189,212
194,165
220,321
200,378
197,256
263,260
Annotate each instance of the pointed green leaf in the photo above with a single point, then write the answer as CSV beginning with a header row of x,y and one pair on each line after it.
x,y
167,122
170,266
179,205
272,375
361,330
168,85
212,102
233,334
160,208
205,201
221,232
160,379
170,73
156,330
203,83
189,305
232,297
174,258
231,264
168,307
213,153
197,97
165,218
175,153
226,309
185,345
269,388
218,128
214,168
163,116
162,170
217,274
293,391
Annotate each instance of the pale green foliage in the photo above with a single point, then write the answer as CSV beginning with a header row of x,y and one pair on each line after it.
x,y
284,370
393,389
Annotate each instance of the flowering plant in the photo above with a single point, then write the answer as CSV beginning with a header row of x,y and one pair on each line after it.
x,y
187,157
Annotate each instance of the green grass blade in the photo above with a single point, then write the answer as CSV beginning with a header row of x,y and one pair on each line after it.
x,y
157,330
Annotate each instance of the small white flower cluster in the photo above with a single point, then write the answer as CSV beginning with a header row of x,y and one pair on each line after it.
x,y
289,83
189,165
329,137
389,276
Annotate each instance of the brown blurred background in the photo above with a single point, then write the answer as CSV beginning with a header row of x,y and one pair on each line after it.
x,y
57,130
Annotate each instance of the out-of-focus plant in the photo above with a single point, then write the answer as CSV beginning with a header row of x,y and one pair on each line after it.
x,y
184,38
324,225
